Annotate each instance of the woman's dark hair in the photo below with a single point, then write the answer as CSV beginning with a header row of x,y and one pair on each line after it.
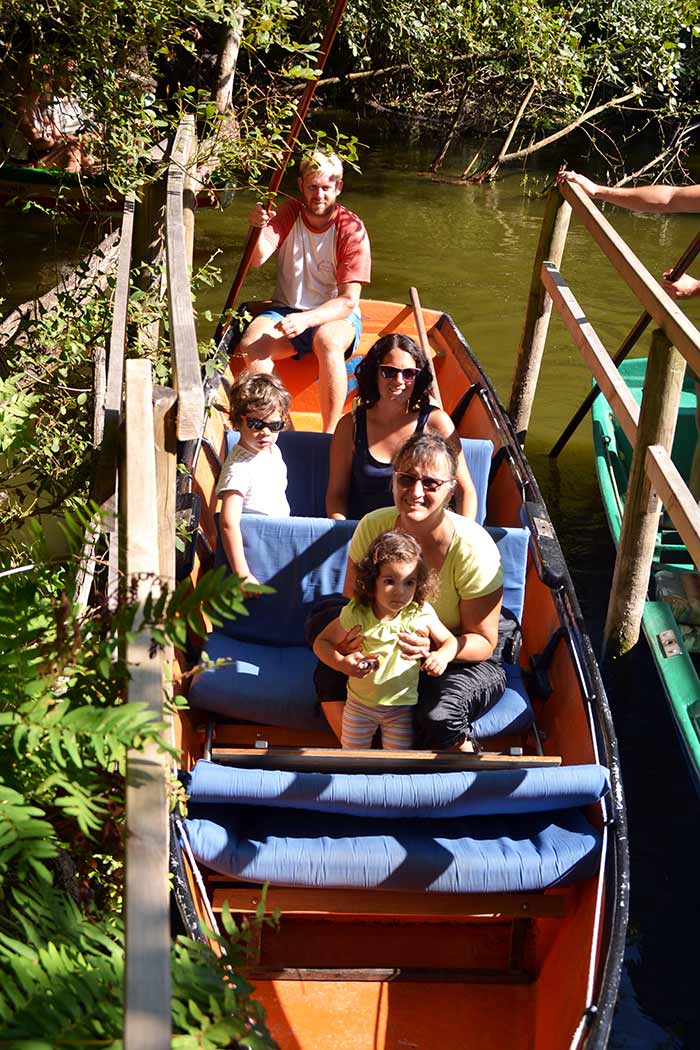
x,y
393,546
421,450
366,373
258,394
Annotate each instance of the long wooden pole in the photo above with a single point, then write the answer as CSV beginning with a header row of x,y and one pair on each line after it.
x,y
423,340
555,226
290,142
691,253
663,384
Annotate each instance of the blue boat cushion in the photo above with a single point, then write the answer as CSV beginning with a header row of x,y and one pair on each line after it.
x,y
273,685
306,456
303,559
406,796
495,854
269,684
270,678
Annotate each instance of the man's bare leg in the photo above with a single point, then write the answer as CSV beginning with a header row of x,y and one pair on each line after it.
x,y
262,344
330,343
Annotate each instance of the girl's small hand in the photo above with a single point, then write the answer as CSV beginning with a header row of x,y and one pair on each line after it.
x,y
352,642
352,664
435,664
416,644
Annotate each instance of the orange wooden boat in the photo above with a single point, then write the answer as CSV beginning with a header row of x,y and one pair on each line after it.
x,y
492,917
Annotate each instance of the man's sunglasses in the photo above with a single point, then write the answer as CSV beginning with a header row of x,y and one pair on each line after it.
x,y
407,374
407,481
273,425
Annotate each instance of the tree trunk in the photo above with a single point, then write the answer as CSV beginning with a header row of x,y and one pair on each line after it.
x,y
437,162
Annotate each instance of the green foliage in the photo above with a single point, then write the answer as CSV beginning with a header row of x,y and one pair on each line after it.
x,y
64,733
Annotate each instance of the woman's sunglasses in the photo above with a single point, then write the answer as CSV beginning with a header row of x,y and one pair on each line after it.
x,y
407,481
273,425
407,374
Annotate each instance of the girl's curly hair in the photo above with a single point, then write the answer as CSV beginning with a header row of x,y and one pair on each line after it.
x,y
393,546
258,394
366,372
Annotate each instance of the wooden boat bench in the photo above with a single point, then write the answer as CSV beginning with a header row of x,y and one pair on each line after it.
x,y
269,675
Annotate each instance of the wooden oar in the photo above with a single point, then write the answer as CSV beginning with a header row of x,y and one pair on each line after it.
x,y
691,252
423,340
290,142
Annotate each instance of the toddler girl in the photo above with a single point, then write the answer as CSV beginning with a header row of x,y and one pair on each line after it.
x,y
391,588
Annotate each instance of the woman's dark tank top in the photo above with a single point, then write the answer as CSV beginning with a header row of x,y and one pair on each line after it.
x,y
370,483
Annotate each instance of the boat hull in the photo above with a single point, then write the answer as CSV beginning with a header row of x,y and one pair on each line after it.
x,y
613,457
380,970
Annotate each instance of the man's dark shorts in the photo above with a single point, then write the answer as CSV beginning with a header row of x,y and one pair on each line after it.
x,y
303,342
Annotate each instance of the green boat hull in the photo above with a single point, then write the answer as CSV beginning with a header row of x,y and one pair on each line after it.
x,y
613,459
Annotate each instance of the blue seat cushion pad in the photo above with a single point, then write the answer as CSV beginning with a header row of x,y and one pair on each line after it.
x,y
402,795
273,685
306,453
499,854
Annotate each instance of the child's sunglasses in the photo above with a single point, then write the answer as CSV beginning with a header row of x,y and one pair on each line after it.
x,y
273,425
407,374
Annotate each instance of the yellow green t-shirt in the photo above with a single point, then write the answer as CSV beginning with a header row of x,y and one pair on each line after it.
x,y
472,567
395,682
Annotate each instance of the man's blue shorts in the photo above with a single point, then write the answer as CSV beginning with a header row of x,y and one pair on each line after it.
x,y
303,342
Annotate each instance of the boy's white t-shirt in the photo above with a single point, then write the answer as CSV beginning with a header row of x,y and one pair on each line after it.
x,y
260,477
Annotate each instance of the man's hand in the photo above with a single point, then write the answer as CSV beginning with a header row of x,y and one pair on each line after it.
x,y
260,216
415,645
685,287
587,185
292,325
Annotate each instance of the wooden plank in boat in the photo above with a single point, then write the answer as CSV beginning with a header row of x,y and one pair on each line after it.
x,y
390,903
324,759
395,975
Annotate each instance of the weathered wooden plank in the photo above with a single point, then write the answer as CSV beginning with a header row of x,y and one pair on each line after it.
x,y
292,901
187,374
676,498
147,970
680,331
555,226
117,345
592,350
333,758
663,383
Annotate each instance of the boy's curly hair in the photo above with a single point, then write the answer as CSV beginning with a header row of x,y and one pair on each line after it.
x,y
393,546
257,394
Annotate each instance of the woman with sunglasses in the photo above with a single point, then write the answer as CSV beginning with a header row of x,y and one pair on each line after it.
x,y
468,602
253,478
394,383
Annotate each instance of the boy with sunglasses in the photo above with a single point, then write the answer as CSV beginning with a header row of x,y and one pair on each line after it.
x,y
253,478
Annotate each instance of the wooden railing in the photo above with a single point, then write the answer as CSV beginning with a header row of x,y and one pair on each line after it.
x,y
649,429
137,426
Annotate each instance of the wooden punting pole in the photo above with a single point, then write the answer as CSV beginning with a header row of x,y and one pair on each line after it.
x,y
555,226
275,181
663,385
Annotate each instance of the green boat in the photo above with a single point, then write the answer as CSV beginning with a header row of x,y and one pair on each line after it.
x,y
675,646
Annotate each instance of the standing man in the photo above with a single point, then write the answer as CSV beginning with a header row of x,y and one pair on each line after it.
x,y
647,198
323,259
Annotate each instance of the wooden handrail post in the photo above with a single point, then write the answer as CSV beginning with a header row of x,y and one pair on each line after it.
x,y
663,385
555,226
147,966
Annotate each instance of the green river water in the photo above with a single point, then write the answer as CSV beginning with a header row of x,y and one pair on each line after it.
x,y
469,250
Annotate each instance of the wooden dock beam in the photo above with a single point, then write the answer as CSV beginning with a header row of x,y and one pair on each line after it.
x,y
555,226
657,425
